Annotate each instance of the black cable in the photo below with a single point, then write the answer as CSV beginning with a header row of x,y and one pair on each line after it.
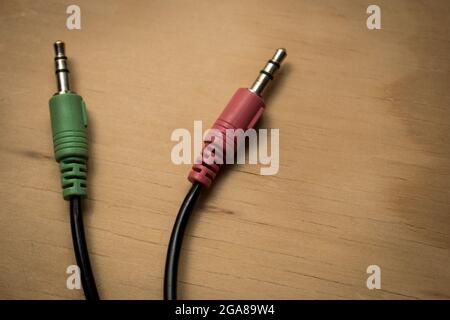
x,y
176,239
81,251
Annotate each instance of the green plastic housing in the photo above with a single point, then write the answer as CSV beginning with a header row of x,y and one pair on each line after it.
x,y
70,142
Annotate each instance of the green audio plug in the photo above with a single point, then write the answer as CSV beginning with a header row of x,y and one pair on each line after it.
x,y
69,127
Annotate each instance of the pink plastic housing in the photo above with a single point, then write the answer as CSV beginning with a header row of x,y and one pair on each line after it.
x,y
242,112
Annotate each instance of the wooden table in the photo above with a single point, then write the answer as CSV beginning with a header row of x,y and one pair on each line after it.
x,y
364,125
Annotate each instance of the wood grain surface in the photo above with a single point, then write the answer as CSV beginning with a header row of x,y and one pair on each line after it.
x,y
364,119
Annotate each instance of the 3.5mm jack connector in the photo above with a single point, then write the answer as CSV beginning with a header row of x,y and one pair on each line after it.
x,y
69,126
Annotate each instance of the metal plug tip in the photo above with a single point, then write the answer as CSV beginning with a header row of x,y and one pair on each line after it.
x,y
279,55
61,68
60,49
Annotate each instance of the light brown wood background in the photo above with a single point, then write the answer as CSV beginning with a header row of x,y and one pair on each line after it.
x,y
364,148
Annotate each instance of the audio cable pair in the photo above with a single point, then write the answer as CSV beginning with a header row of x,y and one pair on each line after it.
x,y
70,140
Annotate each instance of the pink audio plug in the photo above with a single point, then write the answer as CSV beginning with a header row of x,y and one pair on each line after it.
x,y
242,112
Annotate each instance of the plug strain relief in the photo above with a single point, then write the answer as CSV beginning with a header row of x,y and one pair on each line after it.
x,y
73,176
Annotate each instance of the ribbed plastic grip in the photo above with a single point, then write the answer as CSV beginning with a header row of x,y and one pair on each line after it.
x,y
69,126
73,176
242,112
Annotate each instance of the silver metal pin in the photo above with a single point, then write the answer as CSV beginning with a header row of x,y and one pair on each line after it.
x,y
61,69
267,74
